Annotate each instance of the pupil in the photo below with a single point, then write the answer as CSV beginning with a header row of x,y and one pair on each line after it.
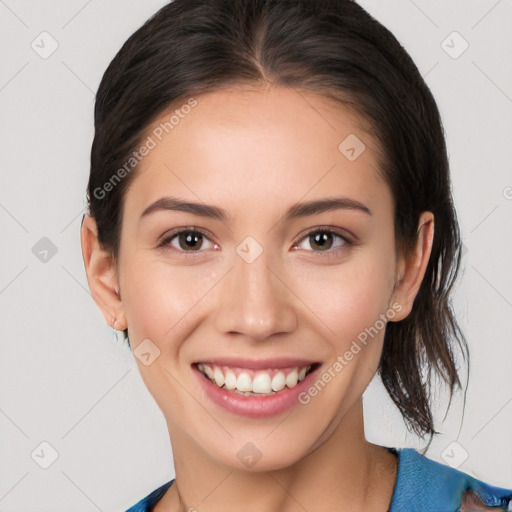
x,y
320,239
191,239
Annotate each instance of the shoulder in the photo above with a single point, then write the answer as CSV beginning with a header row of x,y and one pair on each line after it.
x,y
145,504
426,485
422,485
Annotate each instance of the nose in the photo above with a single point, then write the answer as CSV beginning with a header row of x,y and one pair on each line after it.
x,y
256,301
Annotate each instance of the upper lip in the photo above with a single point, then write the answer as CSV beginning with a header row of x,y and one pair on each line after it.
x,y
257,364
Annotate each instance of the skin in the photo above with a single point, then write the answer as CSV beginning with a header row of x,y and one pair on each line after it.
x,y
292,300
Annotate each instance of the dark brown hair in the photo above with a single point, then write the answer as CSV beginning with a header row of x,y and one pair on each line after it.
x,y
331,47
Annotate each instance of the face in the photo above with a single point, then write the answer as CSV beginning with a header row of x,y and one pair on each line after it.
x,y
266,289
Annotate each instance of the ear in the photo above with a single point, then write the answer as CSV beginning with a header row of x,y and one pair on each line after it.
x,y
101,275
411,268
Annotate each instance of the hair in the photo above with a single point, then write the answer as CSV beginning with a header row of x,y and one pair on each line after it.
x,y
338,50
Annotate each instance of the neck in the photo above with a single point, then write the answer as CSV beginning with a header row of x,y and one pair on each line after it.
x,y
337,474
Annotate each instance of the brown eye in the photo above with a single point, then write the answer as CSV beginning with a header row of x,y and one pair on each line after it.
x,y
322,240
190,240
186,240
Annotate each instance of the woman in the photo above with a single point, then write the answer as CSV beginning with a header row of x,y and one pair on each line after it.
x,y
271,223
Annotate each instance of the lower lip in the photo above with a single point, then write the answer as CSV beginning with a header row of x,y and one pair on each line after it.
x,y
254,406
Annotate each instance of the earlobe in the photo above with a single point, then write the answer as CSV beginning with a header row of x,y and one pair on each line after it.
x,y
101,275
411,269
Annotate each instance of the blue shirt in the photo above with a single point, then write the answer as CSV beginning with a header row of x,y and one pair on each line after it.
x,y
422,485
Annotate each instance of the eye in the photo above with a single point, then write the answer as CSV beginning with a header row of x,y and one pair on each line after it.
x,y
322,240
186,240
191,240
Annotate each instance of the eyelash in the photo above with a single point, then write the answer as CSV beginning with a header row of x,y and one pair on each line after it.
x,y
192,254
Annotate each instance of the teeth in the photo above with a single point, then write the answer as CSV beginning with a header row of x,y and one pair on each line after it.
x,y
292,378
244,382
261,384
218,376
208,370
248,382
279,381
230,381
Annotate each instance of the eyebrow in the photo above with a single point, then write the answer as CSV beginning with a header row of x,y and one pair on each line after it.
x,y
296,211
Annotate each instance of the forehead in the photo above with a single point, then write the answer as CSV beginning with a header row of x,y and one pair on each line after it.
x,y
258,145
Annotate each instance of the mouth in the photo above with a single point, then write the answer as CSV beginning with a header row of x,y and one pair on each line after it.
x,y
255,382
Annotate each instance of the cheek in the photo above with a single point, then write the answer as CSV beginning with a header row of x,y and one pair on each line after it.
x,y
349,298
162,301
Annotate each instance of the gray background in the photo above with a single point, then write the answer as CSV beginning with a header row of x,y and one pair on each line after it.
x,y
64,377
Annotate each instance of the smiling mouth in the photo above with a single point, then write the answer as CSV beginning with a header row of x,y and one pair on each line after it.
x,y
249,382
